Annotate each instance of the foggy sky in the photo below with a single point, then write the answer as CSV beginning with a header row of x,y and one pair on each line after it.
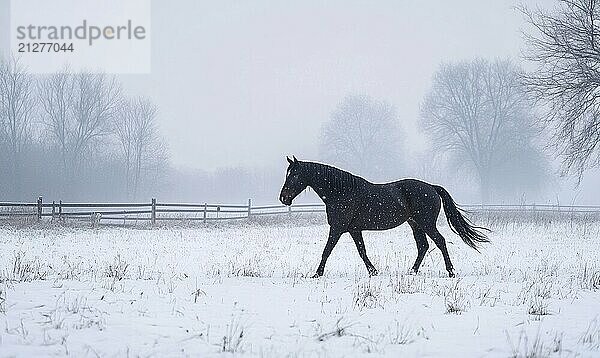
x,y
248,82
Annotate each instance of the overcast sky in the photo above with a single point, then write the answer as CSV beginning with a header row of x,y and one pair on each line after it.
x,y
246,82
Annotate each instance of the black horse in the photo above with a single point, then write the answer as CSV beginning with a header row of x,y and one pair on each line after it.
x,y
354,204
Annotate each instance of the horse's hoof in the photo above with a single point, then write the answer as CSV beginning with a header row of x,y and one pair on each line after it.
x,y
413,272
317,275
373,272
451,274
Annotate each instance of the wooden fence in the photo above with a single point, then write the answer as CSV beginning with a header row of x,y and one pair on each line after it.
x,y
154,211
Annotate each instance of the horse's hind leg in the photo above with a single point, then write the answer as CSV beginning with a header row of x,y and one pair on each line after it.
x,y
362,251
426,220
440,242
422,244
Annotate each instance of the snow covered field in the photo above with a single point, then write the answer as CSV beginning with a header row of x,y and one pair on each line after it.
x,y
242,288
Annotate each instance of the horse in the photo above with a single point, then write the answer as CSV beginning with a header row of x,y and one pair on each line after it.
x,y
354,205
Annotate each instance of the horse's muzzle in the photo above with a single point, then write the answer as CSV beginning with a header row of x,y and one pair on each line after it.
x,y
285,199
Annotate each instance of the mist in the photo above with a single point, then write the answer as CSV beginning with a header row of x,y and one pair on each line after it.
x,y
238,86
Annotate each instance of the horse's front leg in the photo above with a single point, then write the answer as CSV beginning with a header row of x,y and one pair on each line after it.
x,y
334,236
362,251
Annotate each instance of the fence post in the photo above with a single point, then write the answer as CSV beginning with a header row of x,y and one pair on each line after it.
x,y
39,208
290,211
53,209
218,209
204,214
60,210
153,214
249,206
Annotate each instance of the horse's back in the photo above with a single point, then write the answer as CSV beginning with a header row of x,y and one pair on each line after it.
x,y
387,205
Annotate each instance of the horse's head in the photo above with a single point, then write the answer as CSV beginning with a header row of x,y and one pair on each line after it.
x,y
295,183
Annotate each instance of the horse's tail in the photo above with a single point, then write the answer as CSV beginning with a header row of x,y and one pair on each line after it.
x,y
460,225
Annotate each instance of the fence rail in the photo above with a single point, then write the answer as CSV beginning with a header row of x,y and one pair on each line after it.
x,y
154,211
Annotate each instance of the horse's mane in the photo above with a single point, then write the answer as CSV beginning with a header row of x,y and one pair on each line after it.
x,y
338,178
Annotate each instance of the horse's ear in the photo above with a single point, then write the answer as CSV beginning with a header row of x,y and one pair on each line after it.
x,y
289,160
295,160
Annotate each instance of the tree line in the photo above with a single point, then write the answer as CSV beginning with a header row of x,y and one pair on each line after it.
x,y
479,121
69,135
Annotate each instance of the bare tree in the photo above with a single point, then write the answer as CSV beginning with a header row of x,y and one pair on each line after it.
x,y
78,109
95,102
363,135
564,43
17,103
477,111
56,95
141,147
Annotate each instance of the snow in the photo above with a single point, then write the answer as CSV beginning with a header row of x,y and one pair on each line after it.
x,y
243,288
